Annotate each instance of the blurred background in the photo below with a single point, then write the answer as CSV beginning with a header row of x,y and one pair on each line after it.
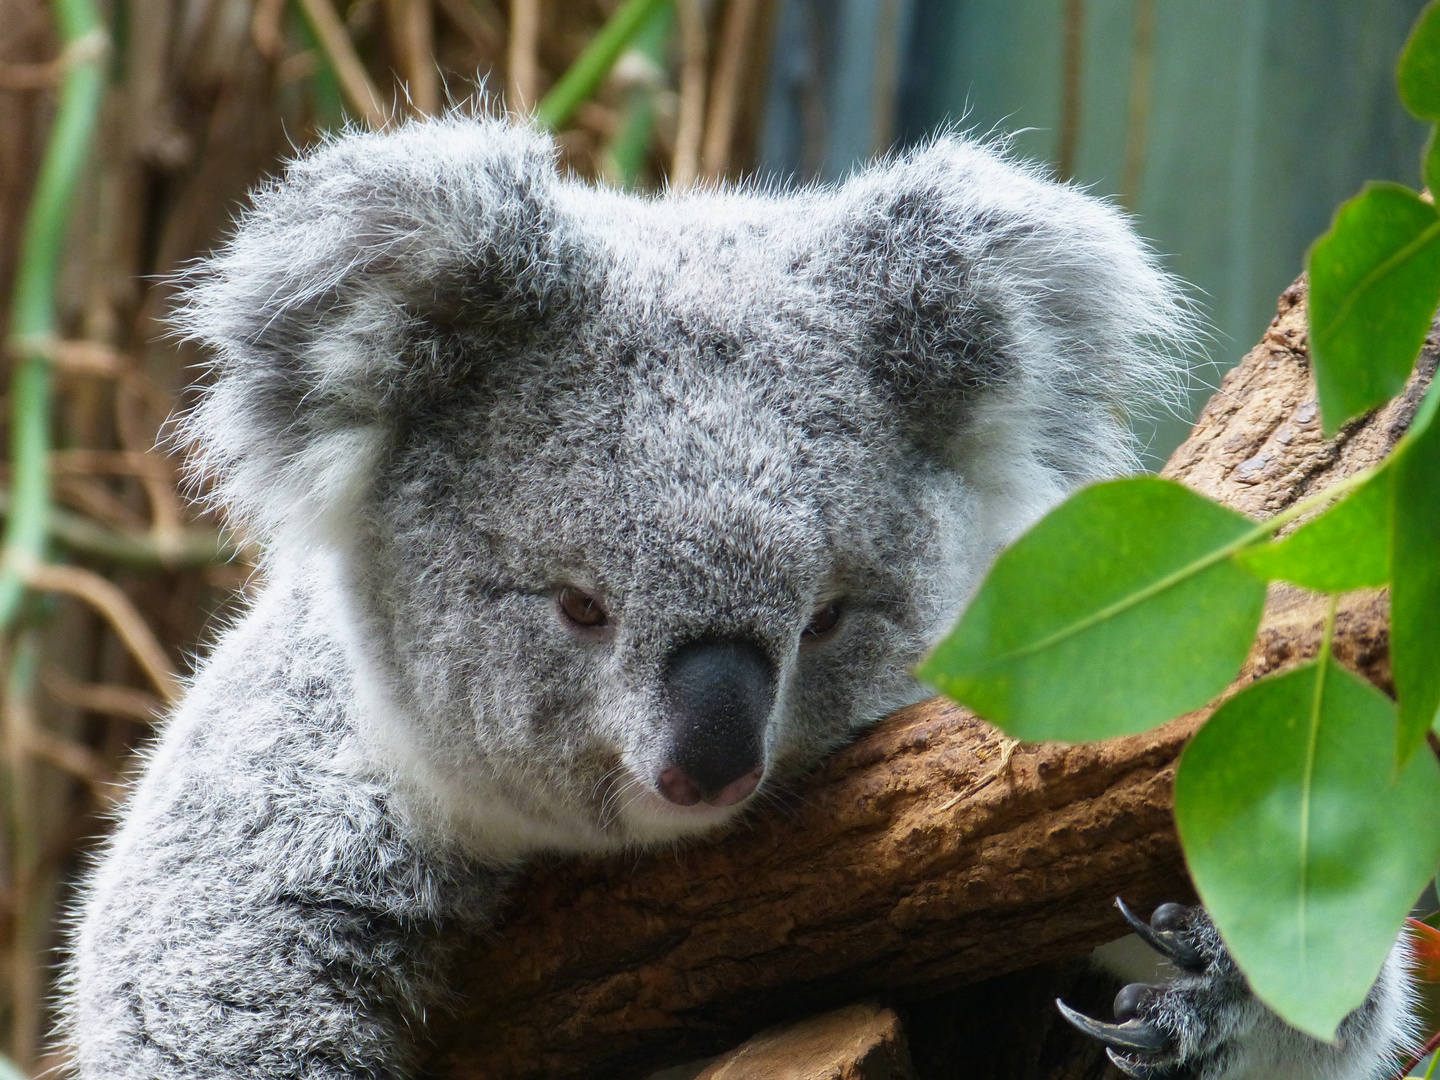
x,y
1229,128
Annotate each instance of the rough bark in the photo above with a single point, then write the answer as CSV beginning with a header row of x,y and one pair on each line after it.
x,y
932,853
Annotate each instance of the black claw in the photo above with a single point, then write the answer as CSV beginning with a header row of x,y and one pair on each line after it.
x,y
1138,1070
1168,943
1131,1035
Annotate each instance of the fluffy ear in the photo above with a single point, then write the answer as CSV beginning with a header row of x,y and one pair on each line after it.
x,y
366,280
1016,319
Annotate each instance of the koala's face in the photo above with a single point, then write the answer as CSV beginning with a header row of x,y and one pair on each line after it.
x,y
645,575
644,505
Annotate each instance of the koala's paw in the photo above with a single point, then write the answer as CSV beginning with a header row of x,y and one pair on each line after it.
x,y
1206,1024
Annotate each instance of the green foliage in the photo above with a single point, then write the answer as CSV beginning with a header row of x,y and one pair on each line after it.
x,y
591,66
1415,590
1374,284
1418,73
1309,821
1306,845
1097,624
1346,548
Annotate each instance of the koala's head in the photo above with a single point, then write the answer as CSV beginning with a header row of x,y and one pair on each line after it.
x,y
642,505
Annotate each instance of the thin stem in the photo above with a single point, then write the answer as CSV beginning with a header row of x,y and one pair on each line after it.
x,y
412,24
1137,119
522,65
626,154
484,37
110,601
32,315
1071,74
725,87
108,698
335,43
25,979
690,127
265,30
591,67
183,549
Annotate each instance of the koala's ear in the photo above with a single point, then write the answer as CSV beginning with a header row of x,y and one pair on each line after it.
x,y
367,279
1015,319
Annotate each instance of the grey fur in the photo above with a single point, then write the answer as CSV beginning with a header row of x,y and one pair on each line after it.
x,y
450,382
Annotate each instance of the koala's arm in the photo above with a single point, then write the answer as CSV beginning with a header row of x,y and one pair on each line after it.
x,y
261,913
1206,1022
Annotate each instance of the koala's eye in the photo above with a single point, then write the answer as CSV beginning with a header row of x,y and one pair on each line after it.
x,y
581,609
823,621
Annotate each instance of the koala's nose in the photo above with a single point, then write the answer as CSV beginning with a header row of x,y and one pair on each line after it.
x,y
720,693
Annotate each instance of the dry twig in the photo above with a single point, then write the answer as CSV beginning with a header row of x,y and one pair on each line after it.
x,y
522,86
108,698
95,500
73,758
478,26
690,126
167,516
354,79
40,76
412,24
725,86
107,598
265,27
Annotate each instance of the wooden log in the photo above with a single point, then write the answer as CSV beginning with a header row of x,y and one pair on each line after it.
x,y
931,853
858,1042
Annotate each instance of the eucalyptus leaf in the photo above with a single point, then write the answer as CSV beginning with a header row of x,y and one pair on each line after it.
x,y
1118,610
1305,843
1418,73
1374,286
1415,593
1346,547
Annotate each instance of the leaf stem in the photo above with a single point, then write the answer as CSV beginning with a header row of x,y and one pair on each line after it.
x,y
189,547
32,315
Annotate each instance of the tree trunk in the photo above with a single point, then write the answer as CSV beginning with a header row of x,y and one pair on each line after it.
x,y
930,854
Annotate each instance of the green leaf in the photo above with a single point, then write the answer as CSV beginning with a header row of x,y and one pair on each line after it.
x,y
1347,547
1306,845
1374,285
1419,71
1119,610
1415,591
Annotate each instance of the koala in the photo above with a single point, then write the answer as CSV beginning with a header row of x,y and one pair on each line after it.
x,y
588,520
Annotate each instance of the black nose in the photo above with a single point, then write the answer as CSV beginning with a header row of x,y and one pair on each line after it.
x,y
719,693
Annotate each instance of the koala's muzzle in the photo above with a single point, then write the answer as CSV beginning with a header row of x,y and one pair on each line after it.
x,y
719,694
